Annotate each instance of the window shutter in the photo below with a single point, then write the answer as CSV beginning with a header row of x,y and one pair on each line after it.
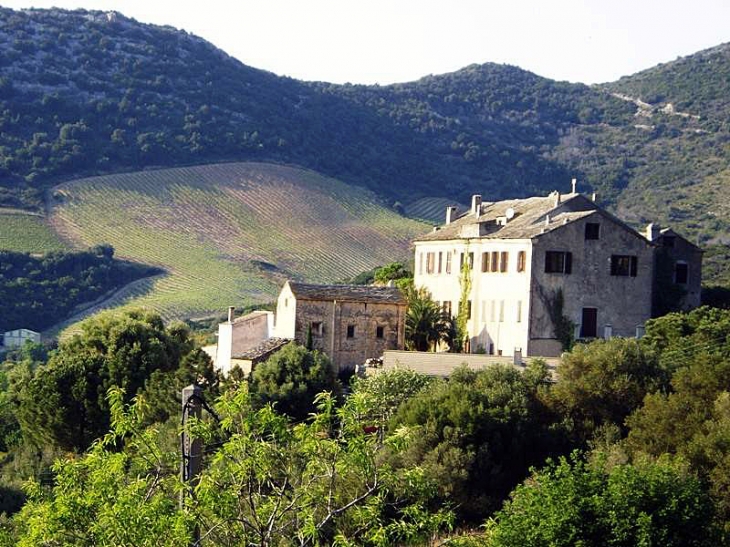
x,y
634,266
568,263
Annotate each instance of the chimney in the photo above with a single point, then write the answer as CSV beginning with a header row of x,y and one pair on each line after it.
x,y
476,205
547,220
231,313
556,194
450,214
573,183
652,231
594,197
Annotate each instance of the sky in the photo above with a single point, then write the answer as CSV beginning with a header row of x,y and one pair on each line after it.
x,y
388,41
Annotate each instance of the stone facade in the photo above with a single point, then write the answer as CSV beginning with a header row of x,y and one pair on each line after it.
x,y
682,261
535,260
348,323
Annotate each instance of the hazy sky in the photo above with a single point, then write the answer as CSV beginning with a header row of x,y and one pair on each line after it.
x,y
386,41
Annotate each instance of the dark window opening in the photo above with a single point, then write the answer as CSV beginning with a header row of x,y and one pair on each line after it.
x,y
681,273
558,262
592,230
503,262
446,307
317,328
624,265
485,262
521,261
351,331
379,331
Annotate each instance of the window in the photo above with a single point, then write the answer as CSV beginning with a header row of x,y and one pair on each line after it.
x,y
420,263
468,309
430,262
317,328
440,260
485,262
446,307
681,273
501,311
503,262
521,261
379,331
448,262
470,258
495,261
558,262
519,311
351,331
623,265
491,310
592,230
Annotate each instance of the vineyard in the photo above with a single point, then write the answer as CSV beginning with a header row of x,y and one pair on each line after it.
x,y
25,232
229,234
432,209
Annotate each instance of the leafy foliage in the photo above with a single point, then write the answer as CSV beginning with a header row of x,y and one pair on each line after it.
x,y
601,383
426,324
64,404
478,434
291,378
271,483
573,503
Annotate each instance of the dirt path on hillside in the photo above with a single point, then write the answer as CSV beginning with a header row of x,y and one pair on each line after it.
x,y
109,300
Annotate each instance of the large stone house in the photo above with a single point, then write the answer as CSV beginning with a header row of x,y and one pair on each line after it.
x,y
541,266
350,323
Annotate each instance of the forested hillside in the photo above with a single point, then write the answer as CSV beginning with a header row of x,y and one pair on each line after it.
x,y
90,92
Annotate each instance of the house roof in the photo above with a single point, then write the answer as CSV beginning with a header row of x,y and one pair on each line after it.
x,y
348,293
264,349
671,233
528,220
252,315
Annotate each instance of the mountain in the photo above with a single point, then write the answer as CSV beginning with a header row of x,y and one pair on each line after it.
x,y
84,92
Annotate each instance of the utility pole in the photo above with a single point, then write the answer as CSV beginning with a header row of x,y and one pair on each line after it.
x,y
192,448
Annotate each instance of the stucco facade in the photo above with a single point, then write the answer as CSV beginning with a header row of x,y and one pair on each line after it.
x,y
535,260
17,338
348,323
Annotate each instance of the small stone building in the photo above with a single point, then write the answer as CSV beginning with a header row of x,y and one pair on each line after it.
x,y
350,323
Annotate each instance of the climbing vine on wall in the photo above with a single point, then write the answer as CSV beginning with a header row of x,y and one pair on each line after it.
x,y
462,333
563,327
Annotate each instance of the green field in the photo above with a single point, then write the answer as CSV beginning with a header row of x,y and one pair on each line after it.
x,y
27,233
230,234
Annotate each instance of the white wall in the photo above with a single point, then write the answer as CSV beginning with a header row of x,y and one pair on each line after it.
x,y
495,322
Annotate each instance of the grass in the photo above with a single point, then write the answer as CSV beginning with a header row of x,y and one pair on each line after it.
x,y
229,234
27,233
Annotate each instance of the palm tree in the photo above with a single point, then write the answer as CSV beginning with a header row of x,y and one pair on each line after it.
x,y
426,324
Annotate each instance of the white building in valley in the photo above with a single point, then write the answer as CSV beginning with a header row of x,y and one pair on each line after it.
x,y
541,268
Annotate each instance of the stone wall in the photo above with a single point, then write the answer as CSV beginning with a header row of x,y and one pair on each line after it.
x,y
348,331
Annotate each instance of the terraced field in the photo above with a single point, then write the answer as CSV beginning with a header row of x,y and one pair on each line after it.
x,y
432,210
229,234
26,232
